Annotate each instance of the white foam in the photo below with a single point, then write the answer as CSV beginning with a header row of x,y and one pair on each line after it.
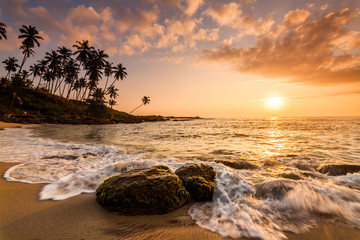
x,y
235,212
70,169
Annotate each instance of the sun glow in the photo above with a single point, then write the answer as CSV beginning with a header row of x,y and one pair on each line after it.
x,y
274,102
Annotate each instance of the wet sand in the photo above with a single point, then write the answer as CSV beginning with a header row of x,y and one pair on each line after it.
x,y
23,216
9,125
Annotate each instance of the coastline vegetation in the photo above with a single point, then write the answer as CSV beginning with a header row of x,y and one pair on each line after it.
x,y
65,84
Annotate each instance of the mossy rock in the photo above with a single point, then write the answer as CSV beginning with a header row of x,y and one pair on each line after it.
x,y
198,180
338,169
154,190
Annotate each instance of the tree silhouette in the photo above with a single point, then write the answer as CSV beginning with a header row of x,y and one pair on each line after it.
x,y
145,100
120,73
10,65
3,31
30,36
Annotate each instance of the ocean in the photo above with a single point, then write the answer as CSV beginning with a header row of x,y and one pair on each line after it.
x,y
283,193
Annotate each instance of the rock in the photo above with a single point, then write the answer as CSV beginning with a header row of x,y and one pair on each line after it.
x,y
154,190
338,169
237,164
198,181
290,175
274,189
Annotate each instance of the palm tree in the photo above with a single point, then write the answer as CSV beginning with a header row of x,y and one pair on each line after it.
x,y
10,65
35,70
42,68
53,59
112,91
3,31
108,71
145,100
120,73
83,51
112,102
30,36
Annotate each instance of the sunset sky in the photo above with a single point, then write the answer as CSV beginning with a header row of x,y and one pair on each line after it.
x,y
244,58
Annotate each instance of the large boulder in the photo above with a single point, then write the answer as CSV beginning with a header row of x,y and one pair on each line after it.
x,y
154,190
198,181
338,169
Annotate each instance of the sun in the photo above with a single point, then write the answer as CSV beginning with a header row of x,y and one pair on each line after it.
x,y
274,102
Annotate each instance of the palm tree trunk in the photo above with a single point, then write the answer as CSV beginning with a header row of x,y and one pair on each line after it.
x,y
136,108
107,79
22,63
39,83
7,75
68,94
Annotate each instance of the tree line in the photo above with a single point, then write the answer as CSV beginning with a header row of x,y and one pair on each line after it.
x,y
64,72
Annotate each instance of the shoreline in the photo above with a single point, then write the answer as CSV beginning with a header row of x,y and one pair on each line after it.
x,y
24,216
10,125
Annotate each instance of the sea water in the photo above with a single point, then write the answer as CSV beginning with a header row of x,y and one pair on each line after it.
x,y
75,159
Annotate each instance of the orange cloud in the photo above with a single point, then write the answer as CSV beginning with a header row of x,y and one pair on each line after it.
x,y
231,14
303,53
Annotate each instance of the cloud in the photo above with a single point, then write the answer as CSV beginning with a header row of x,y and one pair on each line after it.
x,y
231,14
192,6
308,51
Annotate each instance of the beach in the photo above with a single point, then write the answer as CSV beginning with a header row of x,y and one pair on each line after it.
x,y
24,216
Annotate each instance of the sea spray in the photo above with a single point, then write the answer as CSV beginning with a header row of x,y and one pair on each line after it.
x,y
78,162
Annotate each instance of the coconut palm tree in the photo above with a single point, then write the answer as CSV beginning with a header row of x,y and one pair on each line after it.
x,y
53,60
31,36
112,102
112,91
42,68
10,65
145,100
3,31
108,71
83,51
120,73
34,70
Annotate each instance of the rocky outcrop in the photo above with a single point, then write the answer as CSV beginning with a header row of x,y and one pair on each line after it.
x,y
153,190
198,180
237,164
338,169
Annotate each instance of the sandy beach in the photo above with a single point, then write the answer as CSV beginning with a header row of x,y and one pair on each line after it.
x,y
23,216
9,125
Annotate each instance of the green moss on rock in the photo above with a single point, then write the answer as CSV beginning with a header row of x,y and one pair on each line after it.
x,y
154,190
198,181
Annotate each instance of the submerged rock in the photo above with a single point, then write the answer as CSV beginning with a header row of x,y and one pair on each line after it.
x,y
237,164
153,190
276,189
198,181
338,169
290,175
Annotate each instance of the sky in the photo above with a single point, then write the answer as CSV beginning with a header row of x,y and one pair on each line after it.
x,y
208,58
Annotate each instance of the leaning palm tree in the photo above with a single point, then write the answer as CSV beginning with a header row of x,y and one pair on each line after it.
x,y
10,65
31,36
3,31
145,100
120,73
